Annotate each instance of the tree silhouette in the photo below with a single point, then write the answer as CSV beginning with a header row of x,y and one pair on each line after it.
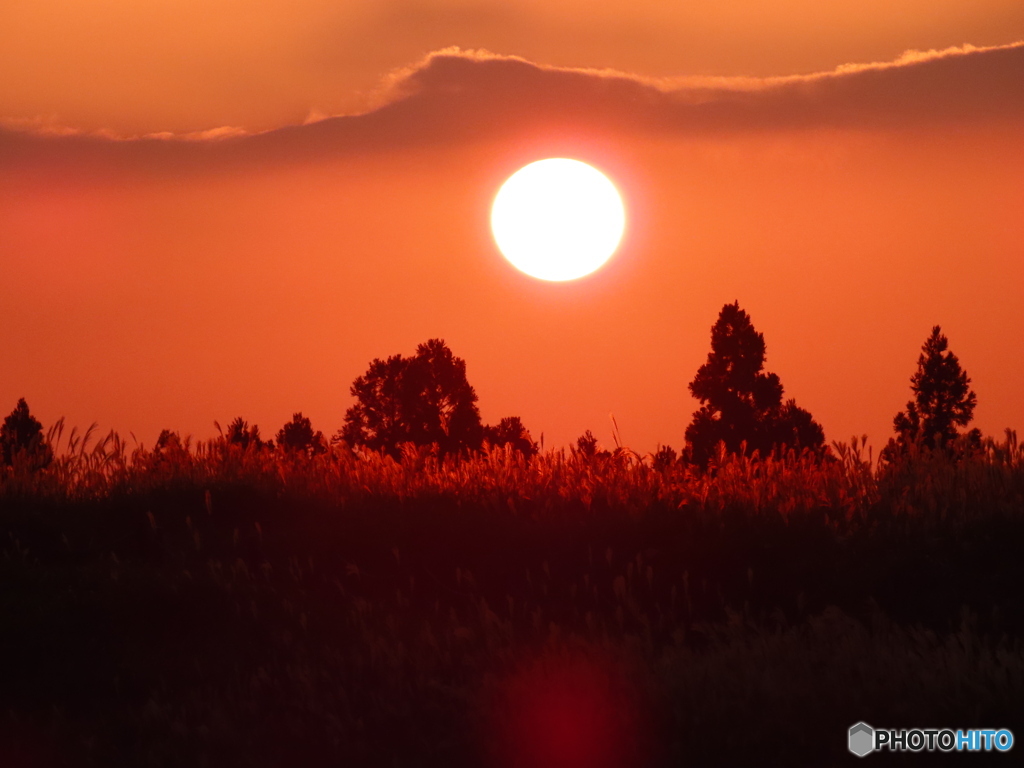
x,y
170,452
298,436
664,457
511,432
241,434
22,435
423,399
587,447
741,405
168,440
943,399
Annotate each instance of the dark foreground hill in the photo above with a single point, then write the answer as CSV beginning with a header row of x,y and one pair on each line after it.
x,y
225,607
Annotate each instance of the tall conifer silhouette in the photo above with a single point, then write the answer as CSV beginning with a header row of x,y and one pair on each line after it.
x,y
741,404
943,399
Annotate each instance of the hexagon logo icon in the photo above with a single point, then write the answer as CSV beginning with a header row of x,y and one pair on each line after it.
x,y
862,739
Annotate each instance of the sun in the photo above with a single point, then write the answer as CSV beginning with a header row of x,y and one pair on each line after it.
x,y
558,219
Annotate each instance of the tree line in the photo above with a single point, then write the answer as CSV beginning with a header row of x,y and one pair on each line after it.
x,y
742,405
427,400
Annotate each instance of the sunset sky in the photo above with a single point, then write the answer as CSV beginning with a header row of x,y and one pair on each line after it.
x,y
211,209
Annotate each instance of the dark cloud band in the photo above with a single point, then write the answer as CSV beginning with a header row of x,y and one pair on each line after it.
x,y
456,96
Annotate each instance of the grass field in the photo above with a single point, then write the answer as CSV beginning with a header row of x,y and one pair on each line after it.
x,y
213,606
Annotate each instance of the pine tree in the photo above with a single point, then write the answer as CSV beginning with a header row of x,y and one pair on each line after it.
x,y
943,399
741,405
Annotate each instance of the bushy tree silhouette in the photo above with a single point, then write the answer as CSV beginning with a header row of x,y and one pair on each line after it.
x,y
241,434
298,436
587,447
423,399
664,458
22,435
943,399
511,432
741,405
170,451
169,440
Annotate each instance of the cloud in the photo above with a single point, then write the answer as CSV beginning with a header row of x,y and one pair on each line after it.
x,y
457,96
953,85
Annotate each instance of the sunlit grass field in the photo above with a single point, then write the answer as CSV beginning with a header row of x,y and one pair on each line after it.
x,y
207,605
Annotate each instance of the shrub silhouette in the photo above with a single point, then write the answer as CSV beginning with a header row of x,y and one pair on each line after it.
x,y
587,447
664,457
424,399
943,399
241,434
741,405
298,436
169,440
511,432
22,436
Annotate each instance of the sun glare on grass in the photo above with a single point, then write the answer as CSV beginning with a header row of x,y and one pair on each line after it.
x,y
558,219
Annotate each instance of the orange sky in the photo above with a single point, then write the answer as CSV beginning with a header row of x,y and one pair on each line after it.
x,y
167,283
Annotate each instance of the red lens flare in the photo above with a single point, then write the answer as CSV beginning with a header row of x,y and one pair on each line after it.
x,y
565,711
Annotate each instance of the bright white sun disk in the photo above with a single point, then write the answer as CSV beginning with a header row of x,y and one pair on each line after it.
x,y
558,219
